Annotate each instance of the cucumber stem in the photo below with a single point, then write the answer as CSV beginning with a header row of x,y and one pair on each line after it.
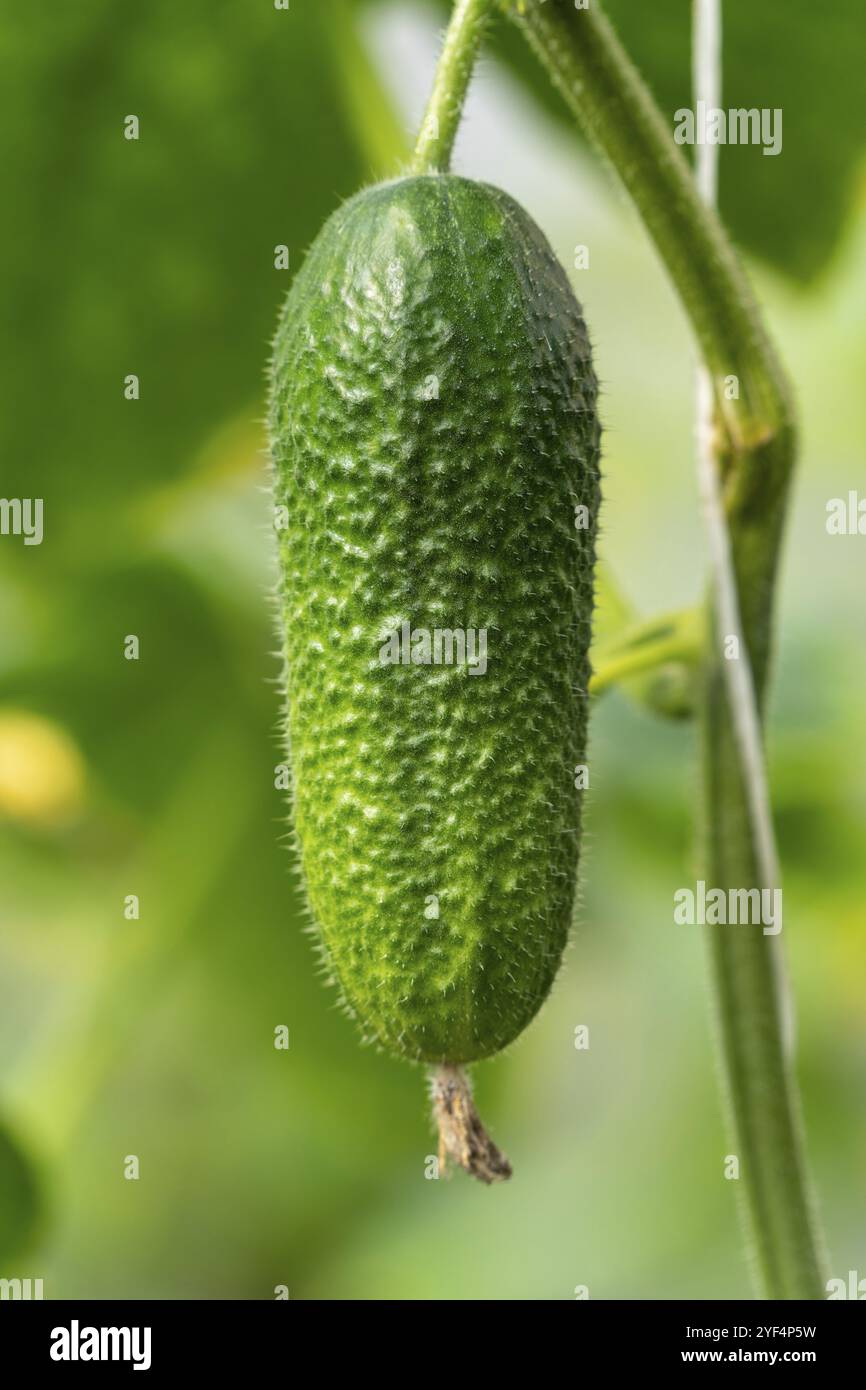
x,y
450,85
756,452
462,1136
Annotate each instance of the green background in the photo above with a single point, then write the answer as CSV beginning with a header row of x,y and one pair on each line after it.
x,y
154,1037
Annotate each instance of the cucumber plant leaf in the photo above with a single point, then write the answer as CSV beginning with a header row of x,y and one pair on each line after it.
x,y
153,256
789,210
20,1203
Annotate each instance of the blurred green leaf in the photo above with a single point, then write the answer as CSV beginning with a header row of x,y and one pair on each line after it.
x,y
378,129
790,210
156,255
19,1200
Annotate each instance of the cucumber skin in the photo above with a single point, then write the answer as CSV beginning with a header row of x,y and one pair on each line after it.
x,y
419,780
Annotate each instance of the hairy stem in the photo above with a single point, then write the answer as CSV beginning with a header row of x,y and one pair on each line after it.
x,y
450,85
588,64
755,448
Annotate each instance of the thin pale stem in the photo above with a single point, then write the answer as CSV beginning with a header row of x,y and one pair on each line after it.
x,y
777,1261
450,85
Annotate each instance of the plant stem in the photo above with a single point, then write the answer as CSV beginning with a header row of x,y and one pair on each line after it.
x,y
662,680
675,637
777,1261
756,450
596,77
450,85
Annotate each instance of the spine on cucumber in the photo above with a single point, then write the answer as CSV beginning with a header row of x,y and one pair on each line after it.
x,y
435,446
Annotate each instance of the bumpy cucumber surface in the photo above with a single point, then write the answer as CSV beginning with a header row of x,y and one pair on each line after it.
x,y
433,431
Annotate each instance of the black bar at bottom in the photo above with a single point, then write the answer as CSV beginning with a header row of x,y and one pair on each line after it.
x,y
154,1339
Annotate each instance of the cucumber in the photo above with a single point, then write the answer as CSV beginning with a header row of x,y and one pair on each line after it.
x,y
434,437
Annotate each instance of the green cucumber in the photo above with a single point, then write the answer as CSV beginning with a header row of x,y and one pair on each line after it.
x,y
434,438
